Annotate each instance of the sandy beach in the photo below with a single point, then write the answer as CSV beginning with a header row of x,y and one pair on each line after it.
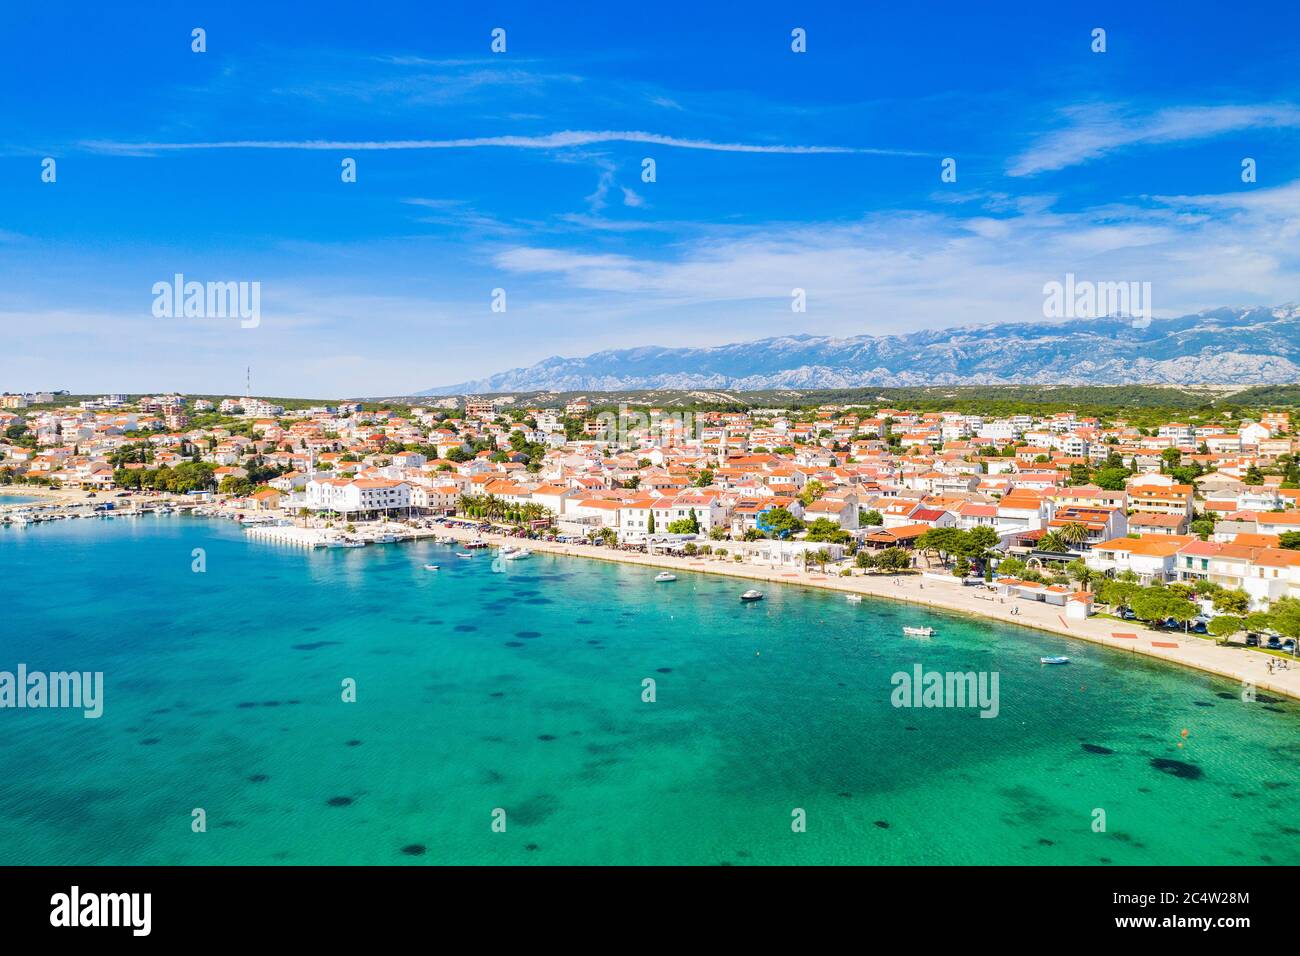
x,y
1236,663
48,496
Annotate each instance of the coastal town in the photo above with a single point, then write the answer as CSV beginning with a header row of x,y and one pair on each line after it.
x,y
1190,527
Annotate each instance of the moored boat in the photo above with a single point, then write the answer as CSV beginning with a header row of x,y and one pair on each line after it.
x,y
918,631
1054,660
752,595
854,598
464,554
431,567
663,576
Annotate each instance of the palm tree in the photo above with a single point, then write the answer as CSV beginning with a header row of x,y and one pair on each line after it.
x,y
1054,542
1080,572
1074,533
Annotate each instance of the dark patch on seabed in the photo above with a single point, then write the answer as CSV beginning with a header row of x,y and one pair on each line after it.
x,y
1177,768
339,801
313,645
414,849
1095,749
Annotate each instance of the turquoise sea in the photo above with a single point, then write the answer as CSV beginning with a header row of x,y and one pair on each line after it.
x,y
522,690
8,499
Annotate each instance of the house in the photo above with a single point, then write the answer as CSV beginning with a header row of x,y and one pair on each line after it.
x,y
1158,524
1152,497
266,499
1265,574
1150,557
359,496
844,512
900,537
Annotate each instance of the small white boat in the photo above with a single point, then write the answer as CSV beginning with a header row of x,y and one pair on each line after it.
x,y
854,598
752,595
1054,660
517,555
918,631
477,544
464,554
431,567
663,576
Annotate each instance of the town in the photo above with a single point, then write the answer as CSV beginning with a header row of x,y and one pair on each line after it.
x,y
1190,524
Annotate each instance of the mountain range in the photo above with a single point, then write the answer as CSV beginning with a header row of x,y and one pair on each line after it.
x,y
1236,346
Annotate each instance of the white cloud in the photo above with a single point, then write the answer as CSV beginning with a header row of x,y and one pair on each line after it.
x,y
900,272
1092,132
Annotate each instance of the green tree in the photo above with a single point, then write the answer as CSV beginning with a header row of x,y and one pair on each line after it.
x,y
1054,542
781,521
1111,478
942,541
1077,570
1074,533
823,529
1224,626
1233,602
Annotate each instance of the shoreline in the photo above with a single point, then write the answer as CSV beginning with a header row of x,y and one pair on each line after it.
x,y
1238,664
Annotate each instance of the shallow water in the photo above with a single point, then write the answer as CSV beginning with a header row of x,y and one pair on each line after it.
x,y
522,690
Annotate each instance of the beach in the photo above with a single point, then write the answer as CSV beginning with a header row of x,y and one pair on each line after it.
x,y
1244,665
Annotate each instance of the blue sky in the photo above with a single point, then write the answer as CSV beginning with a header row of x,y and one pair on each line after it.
x,y
522,171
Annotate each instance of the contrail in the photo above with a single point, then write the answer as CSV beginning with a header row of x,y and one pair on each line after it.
x,y
549,141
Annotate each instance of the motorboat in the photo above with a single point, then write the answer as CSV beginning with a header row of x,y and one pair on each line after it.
x,y
918,631
1054,660
475,545
663,576
853,598
431,567
517,555
752,595
464,554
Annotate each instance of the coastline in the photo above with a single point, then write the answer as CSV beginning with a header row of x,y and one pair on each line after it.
x,y
1238,664
48,496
